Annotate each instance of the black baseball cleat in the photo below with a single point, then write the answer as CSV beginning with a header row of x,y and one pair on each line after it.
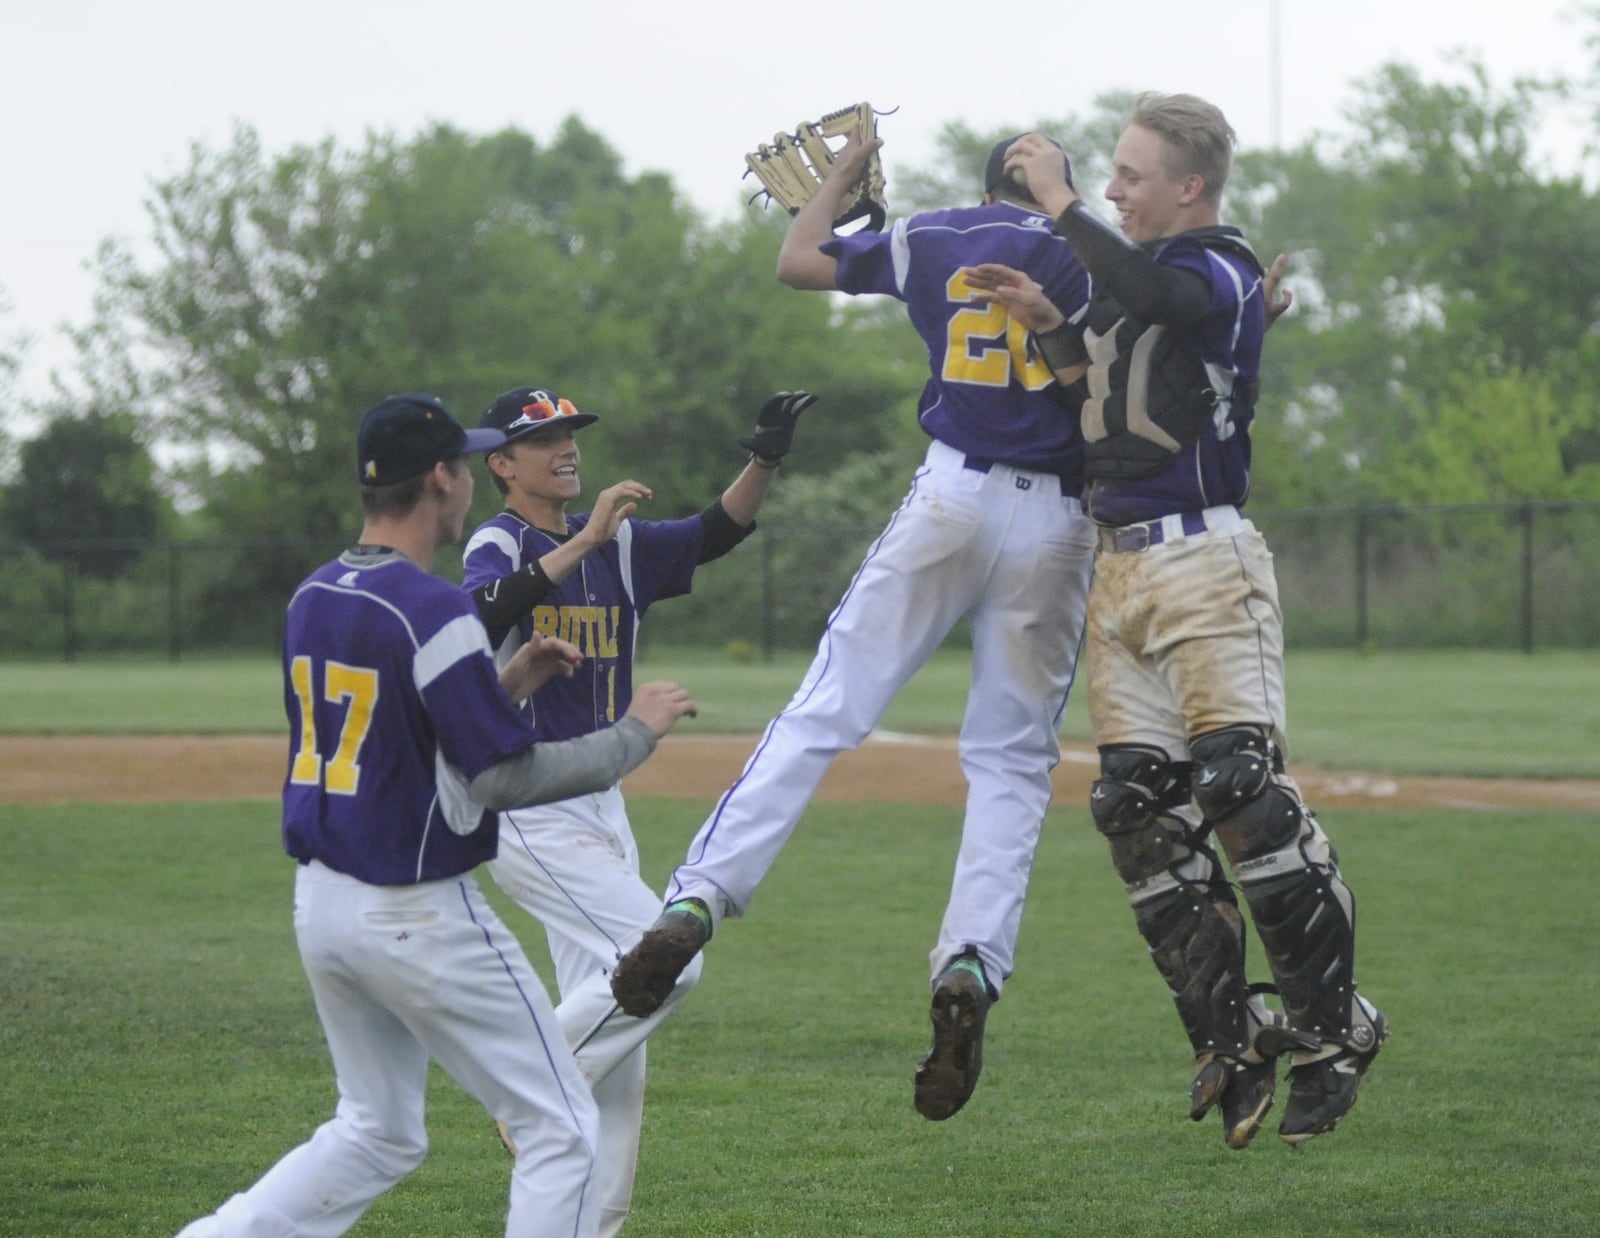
x,y
1241,1091
1242,1088
1321,1092
643,977
947,1075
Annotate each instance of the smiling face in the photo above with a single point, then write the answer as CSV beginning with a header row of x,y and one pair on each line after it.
x,y
540,472
1151,198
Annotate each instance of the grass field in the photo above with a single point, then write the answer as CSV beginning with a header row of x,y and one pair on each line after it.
x,y
161,1049
1474,713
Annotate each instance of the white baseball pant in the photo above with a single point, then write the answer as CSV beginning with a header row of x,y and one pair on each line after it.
x,y
1009,553
400,974
574,866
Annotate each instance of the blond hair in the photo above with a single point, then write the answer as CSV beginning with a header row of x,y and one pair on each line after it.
x,y
1199,138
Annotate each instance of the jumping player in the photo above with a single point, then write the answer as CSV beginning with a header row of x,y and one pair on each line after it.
x,y
1185,634
993,532
589,578
401,743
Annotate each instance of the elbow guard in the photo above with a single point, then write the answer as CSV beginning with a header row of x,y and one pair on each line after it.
x,y
502,603
718,532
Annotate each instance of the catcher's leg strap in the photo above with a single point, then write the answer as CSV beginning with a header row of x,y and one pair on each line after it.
x,y
1184,908
1303,911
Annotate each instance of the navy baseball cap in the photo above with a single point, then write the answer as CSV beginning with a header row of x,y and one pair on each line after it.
x,y
524,410
406,435
995,170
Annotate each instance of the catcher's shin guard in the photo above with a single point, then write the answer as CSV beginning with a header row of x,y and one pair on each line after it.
x,y
1183,907
1303,911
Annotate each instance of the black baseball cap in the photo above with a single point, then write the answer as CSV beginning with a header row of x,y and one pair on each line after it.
x,y
995,170
524,410
406,435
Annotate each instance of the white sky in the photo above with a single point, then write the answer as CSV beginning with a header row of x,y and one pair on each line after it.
x,y
99,98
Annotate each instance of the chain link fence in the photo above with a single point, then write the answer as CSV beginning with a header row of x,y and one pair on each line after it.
x,y
1511,576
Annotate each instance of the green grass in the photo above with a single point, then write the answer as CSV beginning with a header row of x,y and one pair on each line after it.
x,y
161,1050
1461,713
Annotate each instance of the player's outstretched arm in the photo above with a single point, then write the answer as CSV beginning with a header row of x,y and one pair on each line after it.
x,y
547,772
770,441
503,602
659,704
801,262
1057,340
1018,293
612,506
1045,166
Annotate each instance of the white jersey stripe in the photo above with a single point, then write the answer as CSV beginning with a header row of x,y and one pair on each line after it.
x,y
460,638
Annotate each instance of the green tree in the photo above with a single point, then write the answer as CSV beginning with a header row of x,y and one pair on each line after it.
x,y
290,293
1489,437
86,478
1425,246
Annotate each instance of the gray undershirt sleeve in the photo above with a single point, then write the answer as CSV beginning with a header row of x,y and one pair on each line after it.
x,y
554,771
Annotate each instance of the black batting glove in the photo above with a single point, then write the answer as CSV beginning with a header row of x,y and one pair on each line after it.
x,y
774,432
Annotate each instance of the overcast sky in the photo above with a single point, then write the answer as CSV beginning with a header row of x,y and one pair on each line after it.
x,y
98,98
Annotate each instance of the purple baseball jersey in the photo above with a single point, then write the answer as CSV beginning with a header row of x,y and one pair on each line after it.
x,y
1215,470
394,705
989,394
598,607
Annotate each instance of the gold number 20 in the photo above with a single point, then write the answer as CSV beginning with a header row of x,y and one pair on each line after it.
x,y
1001,344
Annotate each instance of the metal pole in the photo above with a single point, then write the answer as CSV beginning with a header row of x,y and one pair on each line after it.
x,y
174,611
1527,577
1361,580
1275,72
69,629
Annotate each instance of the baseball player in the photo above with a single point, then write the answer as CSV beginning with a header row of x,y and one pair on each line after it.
x,y
1186,689
401,743
992,531
589,578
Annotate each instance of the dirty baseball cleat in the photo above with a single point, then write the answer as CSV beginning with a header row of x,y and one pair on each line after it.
x,y
949,1072
1242,1088
645,975
1241,1091
1323,1089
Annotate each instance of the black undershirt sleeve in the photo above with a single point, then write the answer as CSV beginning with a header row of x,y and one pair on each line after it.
x,y
502,603
1148,290
719,534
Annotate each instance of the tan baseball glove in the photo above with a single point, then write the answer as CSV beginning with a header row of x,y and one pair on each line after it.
x,y
791,169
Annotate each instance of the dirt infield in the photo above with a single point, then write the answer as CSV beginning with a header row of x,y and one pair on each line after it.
x,y
887,768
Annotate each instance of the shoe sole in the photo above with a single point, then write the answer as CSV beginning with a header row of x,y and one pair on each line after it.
x,y
1239,1134
645,975
947,1076
1212,1085
1271,1043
